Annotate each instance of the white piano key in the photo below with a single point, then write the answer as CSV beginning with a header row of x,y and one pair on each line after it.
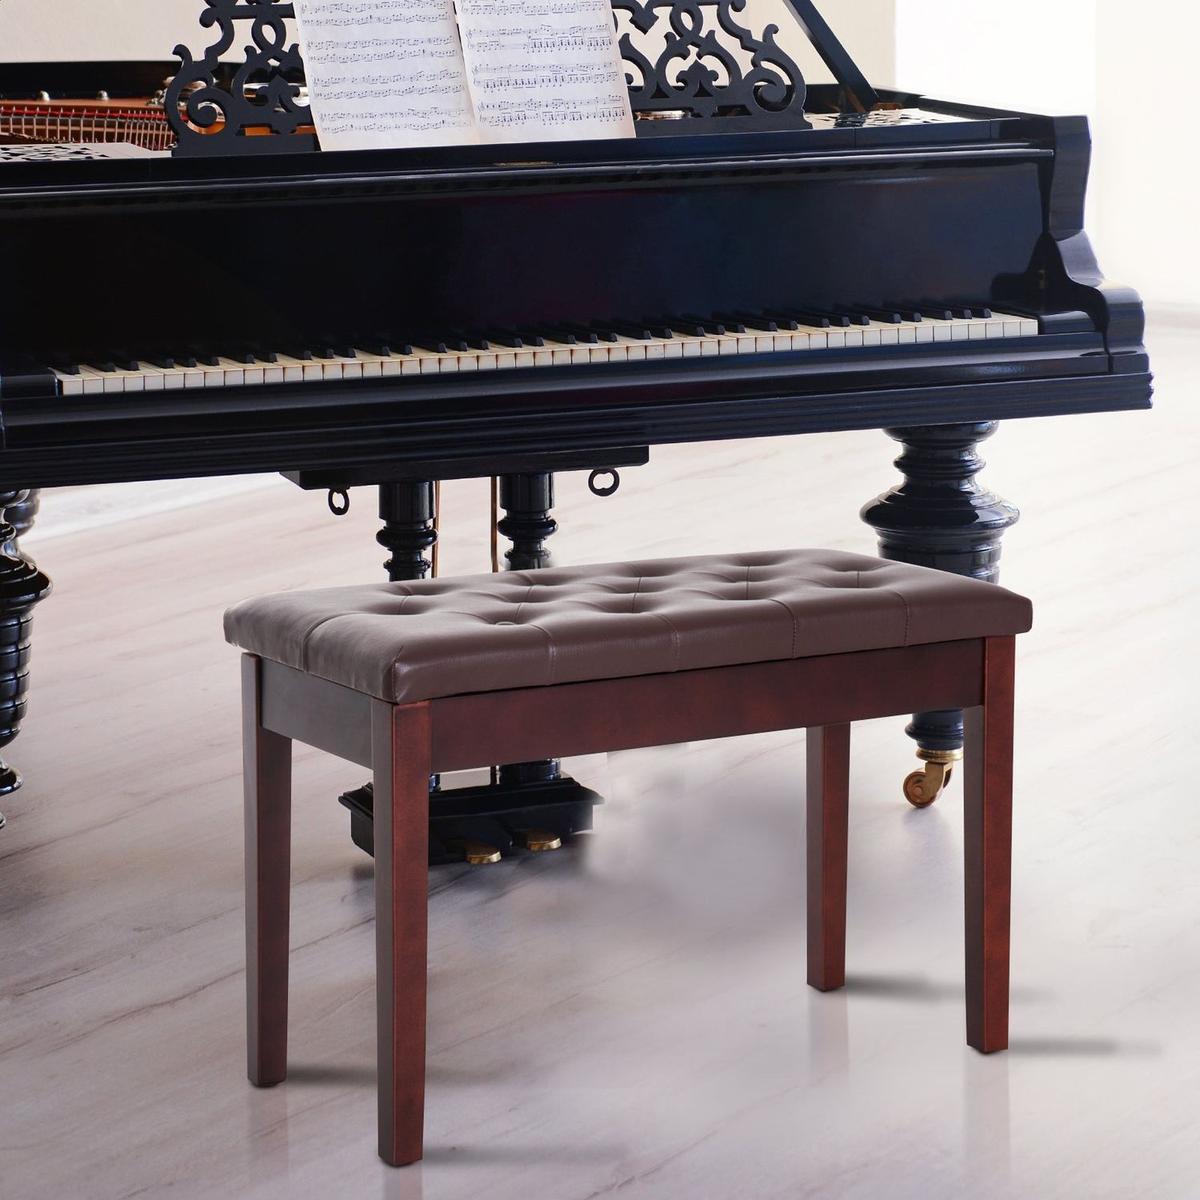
x,y
872,335
234,372
799,340
294,368
93,380
1017,326
69,385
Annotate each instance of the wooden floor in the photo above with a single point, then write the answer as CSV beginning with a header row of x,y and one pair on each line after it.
x,y
627,1016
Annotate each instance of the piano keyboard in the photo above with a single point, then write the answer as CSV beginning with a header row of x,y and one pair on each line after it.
x,y
603,342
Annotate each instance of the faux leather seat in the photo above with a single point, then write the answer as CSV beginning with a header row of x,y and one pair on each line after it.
x,y
403,642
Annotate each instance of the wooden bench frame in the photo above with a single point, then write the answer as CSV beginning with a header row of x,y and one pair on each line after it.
x,y
404,744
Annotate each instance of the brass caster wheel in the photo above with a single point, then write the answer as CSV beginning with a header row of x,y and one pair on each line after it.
x,y
923,787
479,854
540,840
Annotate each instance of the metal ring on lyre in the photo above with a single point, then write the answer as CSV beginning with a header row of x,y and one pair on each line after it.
x,y
608,488
339,501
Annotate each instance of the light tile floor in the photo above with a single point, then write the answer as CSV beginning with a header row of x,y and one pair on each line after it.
x,y
626,1017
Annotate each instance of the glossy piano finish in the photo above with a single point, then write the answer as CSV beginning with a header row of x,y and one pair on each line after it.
x,y
930,202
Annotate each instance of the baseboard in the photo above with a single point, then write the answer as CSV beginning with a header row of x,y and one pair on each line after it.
x,y
71,510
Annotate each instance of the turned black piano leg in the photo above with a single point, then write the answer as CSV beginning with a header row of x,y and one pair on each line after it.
x,y
940,517
21,516
528,503
408,533
22,585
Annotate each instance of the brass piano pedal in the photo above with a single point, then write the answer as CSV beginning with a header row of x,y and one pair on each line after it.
x,y
539,840
922,788
479,854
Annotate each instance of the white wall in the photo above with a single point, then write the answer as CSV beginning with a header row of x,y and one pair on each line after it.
x,y
54,30
1130,72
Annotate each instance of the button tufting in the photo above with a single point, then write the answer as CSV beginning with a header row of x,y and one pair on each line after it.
x,y
416,640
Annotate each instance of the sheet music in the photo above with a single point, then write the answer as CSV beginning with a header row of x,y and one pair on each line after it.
x,y
385,73
544,70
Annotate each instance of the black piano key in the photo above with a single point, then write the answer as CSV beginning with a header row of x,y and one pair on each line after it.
x,y
694,326
384,348
64,366
559,333
699,325
884,316
123,360
631,329
505,337
472,339
752,322
908,312
798,318
581,334
592,333
864,316
836,320
981,312
432,344
267,356
303,353
240,354
657,327
935,310
781,321
531,337
100,364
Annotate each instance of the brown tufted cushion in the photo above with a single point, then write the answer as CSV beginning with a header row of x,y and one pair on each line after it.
x,y
482,633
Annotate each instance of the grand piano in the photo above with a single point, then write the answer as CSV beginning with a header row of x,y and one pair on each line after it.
x,y
765,259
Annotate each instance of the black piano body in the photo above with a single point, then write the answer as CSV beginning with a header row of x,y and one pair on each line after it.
x,y
909,216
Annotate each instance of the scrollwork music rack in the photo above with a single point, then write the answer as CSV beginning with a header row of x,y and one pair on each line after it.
x,y
692,66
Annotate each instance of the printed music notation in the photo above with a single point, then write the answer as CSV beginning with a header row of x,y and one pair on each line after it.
x,y
543,70
385,73
415,73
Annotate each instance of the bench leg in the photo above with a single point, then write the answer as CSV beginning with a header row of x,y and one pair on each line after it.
x,y
267,778
828,815
987,835
401,751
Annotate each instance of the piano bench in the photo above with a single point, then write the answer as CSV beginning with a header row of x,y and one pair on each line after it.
x,y
410,679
